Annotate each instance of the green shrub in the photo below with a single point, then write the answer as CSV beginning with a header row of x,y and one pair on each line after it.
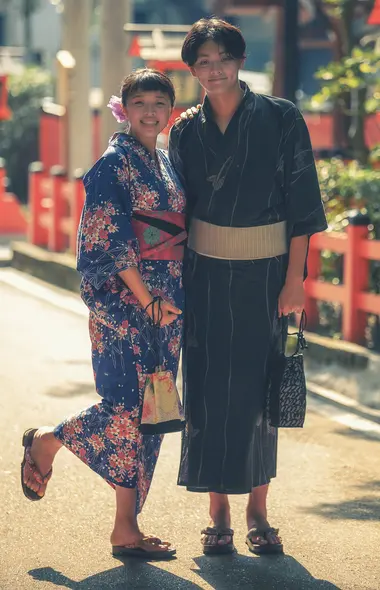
x,y
19,135
347,186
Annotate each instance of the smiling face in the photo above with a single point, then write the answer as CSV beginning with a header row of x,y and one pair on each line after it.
x,y
148,113
215,69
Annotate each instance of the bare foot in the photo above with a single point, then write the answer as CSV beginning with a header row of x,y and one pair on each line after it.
x,y
260,522
42,452
127,535
220,520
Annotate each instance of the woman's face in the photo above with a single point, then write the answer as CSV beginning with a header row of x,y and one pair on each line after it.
x,y
148,113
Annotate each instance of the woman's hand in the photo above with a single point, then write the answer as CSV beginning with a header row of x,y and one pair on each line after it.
x,y
189,113
165,314
292,297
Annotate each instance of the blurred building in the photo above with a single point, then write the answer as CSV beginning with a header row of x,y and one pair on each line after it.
x,y
45,29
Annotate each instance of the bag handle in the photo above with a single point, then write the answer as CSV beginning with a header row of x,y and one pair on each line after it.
x,y
156,321
301,340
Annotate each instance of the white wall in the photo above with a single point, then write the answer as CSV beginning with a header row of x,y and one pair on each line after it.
x,y
46,29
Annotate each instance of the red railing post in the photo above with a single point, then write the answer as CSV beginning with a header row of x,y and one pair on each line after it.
x,y
78,195
356,280
3,176
57,241
313,273
37,234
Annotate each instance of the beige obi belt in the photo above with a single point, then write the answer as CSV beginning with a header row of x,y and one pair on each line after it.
x,y
238,243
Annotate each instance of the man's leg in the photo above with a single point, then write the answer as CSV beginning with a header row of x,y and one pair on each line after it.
x,y
220,519
257,515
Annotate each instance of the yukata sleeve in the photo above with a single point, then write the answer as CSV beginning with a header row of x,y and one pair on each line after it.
x,y
175,152
305,212
106,240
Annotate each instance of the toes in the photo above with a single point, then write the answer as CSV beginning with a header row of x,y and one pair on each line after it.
x,y
259,541
274,540
225,540
41,491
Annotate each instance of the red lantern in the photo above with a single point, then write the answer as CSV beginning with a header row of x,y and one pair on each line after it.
x,y
5,113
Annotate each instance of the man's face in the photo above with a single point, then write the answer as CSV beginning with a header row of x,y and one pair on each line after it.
x,y
215,69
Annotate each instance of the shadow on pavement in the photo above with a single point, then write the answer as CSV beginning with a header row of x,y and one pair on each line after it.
x,y
366,508
370,484
221,573
71,390
359,434
133,575
270,572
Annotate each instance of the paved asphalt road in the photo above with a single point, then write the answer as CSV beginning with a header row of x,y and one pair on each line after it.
x,y
326,498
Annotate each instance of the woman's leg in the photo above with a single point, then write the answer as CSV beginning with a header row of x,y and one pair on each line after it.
x,y
126,529
44,448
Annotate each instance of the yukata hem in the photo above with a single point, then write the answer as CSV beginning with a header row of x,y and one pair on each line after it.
x,y
229,491
110,482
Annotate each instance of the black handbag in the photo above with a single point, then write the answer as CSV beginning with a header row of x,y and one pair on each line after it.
x,y
286,406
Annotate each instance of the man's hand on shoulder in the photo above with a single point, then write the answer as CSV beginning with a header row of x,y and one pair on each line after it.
x,y
188,114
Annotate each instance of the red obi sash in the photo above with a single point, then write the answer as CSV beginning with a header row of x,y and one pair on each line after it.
x,y
161,234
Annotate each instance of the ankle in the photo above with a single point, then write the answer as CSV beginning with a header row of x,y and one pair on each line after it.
x,y
126,523
221,515
125,530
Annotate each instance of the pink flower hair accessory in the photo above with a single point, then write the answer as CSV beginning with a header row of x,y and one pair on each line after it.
x,y
117,109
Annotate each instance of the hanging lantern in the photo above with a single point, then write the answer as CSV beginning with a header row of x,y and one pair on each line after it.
x,y
5,113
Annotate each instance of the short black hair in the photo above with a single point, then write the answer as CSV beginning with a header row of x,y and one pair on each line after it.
x,y
146,80
213,29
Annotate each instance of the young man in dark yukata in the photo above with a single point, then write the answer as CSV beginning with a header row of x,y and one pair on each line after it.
x,y
253,201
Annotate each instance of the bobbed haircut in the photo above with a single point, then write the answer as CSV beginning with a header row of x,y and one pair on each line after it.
x,y
146,80
213,29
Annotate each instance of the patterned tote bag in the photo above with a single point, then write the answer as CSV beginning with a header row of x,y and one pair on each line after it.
x,y
286,406
162,410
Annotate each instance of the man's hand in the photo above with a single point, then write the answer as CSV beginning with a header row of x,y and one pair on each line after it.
x,y
189,113
292,298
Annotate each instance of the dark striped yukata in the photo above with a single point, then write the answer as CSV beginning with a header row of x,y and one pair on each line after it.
x,y
259,172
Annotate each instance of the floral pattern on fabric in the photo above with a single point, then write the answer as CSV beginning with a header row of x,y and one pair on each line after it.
x,y
125,346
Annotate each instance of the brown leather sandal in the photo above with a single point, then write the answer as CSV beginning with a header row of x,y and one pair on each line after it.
x,y
218,548
266,548
139,549
27,441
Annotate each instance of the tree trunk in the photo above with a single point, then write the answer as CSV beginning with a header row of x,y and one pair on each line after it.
x,y
27,13
356,132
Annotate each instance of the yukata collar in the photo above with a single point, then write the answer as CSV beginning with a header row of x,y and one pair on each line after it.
x,y
247,102
129,144
123,139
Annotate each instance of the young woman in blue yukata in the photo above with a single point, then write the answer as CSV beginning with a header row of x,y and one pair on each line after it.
x,y
130,251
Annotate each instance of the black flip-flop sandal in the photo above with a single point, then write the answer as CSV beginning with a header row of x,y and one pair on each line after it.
x,y
27,441
217,548
137,550
263,549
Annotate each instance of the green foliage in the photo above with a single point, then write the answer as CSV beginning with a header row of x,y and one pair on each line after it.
x,y
19,135
348,186
360,70
375,154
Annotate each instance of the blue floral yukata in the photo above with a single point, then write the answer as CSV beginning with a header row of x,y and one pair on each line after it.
x,y
106,436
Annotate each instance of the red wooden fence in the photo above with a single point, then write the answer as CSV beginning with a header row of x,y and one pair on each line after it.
x,y
55,208
358,250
